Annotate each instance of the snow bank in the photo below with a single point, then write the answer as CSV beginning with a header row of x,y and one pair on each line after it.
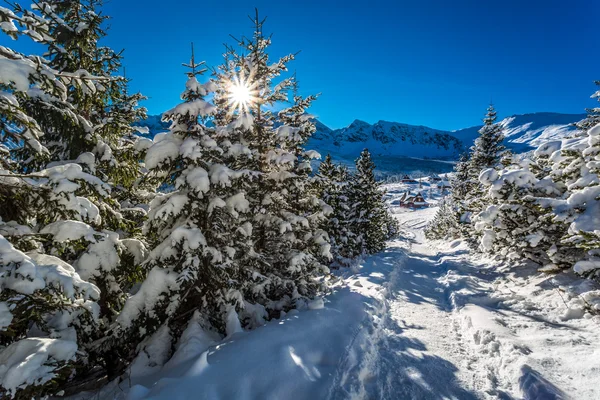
x,y
298,354
515,321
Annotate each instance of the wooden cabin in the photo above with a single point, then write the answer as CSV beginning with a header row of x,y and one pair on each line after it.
x,y
414,201
408,179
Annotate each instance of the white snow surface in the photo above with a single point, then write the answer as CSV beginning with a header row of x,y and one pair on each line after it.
x,y
420,320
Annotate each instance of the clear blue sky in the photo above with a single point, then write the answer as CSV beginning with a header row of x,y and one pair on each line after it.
x,y
429,62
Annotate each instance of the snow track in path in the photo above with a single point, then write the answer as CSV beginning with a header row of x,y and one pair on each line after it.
x,y
409,349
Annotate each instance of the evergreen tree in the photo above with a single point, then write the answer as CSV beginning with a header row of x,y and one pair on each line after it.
x,y
199,231
444,224
467,191
488,148
288,243
60,208
237,240
581,207
369,217
334,181
461,182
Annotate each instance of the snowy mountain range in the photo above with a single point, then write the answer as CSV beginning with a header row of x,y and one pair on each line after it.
x,y
400,148
526,132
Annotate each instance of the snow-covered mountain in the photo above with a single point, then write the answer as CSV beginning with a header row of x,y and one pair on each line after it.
x,y
400,148
388,138
526,132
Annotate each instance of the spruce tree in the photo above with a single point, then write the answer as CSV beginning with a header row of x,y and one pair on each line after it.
x,y
199,231
369,217
582,206
62,210
288,243
488,148
454,217
333,185
445,223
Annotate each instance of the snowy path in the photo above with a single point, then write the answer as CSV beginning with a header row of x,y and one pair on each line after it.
x,y
420,320
414,352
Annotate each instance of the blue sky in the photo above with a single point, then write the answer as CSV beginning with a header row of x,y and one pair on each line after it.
x,y
429,62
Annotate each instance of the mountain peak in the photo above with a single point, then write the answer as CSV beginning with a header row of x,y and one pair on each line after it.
x,y
358,123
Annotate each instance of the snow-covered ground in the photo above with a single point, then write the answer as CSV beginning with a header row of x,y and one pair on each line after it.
x,y
421,320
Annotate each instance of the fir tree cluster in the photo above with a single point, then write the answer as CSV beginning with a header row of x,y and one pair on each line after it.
x,y
110,241
360,222
543,207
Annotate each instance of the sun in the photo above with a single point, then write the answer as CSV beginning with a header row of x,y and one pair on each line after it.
x,y
242,93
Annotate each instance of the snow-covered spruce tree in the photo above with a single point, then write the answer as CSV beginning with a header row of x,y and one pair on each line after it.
x,y
333,185
518,217
582,206
91,113
453,219
59,212
99,135
446,222
461,181
46,308
545,208
511,223
198,230
485,153
286,212
487,150
369,217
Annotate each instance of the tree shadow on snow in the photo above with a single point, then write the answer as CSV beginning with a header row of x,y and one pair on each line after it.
x,y
535,387
403,370
398,366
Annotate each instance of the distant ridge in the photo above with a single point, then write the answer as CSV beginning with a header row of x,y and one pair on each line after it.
x,y
398,147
